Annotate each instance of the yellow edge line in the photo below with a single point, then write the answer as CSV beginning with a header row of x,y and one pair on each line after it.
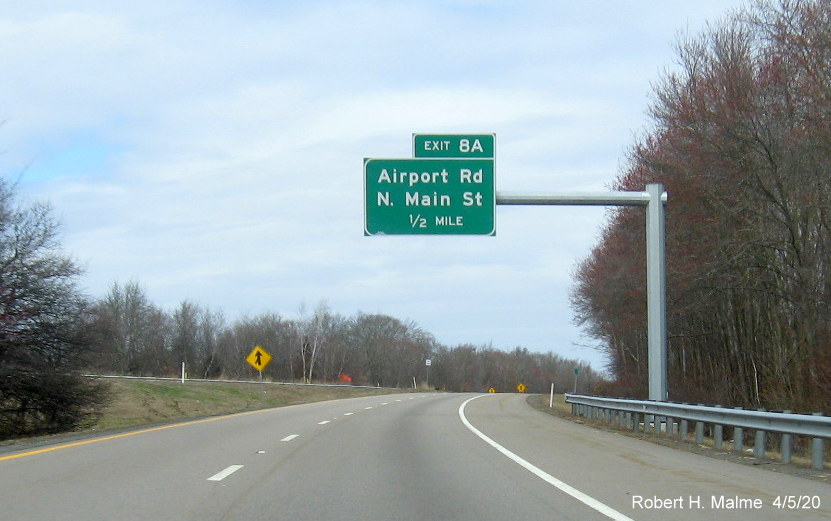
x,y
133,433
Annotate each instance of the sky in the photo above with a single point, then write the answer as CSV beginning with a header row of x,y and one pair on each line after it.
x,y
212,150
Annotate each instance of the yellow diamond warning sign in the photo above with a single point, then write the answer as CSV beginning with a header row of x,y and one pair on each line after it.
x,y
258,358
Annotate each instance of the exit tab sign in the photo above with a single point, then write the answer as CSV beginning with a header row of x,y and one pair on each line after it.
x,y
454,145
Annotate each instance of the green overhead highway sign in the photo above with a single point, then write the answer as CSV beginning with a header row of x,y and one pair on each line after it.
x,y
429,197
454,145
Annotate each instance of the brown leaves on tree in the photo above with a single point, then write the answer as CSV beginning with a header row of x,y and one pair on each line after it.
x,y
741,139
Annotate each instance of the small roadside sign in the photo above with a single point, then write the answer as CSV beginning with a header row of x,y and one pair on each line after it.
x,y
492,390
258,358
521,388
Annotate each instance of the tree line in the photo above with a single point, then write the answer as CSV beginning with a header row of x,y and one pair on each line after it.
x,y
131,336
51,334
741,139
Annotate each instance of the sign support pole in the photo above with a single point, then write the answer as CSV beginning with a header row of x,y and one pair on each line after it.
x,y
653,199
656,294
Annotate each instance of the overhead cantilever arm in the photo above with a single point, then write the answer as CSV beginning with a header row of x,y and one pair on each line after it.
x,y
653,199
577,199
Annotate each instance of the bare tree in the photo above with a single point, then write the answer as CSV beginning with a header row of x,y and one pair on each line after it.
x,y
315,332
129,333
42,326
186,335
211,329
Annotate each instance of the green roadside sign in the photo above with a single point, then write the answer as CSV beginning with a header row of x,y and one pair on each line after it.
x,y
454,145
425,196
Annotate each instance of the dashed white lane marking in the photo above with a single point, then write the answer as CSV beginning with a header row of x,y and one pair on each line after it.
x,y
348,413
290,437
368,408
324,422
219,476
584,498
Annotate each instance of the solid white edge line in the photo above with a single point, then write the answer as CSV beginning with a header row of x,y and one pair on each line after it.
x,y
219,476
587,500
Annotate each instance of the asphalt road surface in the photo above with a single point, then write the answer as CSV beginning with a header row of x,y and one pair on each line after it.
x,y
398,457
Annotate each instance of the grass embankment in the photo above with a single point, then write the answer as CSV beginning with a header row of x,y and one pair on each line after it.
x,y
143,402
541,401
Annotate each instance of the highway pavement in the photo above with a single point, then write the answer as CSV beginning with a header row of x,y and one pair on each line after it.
x,y
430,456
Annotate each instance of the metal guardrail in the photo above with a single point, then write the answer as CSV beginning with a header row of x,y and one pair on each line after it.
x,y
674,418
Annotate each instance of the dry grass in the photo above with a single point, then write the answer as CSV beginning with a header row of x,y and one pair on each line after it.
x,y
142,402
541,401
